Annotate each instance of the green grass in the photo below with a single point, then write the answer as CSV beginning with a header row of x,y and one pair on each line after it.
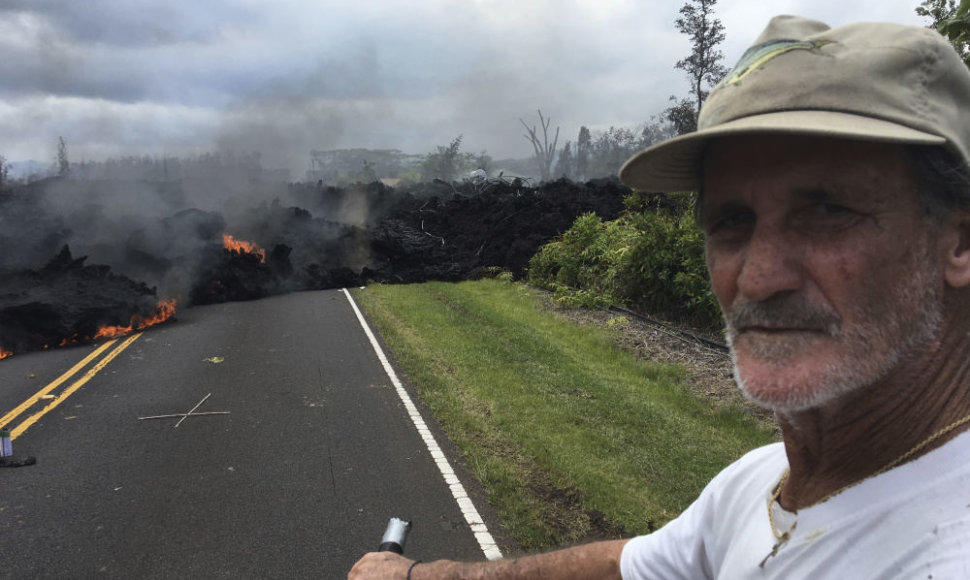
x,y
572,438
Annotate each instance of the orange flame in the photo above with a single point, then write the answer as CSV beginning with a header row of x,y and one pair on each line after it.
x,y
162,312
233,245
5,353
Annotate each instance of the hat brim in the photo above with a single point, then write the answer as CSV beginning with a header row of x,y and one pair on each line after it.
x,y
674,165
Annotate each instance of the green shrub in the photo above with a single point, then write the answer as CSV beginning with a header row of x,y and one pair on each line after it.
x,y
570,297
496,273
648,259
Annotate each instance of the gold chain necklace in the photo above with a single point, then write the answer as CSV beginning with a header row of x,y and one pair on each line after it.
x,y
784,537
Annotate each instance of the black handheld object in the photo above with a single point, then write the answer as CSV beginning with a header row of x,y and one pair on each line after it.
x,y
395,536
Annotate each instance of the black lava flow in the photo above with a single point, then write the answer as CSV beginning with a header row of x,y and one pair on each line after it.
x,y
434,231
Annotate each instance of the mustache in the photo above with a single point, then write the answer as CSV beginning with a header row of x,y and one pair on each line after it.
x,y
782,312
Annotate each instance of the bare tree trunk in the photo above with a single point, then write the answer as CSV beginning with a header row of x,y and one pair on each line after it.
x,y
544,151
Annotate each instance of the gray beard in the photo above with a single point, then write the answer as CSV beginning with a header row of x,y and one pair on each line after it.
x,y
887,332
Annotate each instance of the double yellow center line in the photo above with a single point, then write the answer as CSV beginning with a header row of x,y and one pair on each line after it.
x,y
58,398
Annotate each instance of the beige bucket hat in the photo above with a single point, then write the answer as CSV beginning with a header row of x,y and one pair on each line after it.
x,y
866,81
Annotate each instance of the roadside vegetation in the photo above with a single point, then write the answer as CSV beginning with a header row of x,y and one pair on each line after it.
x,y
572,438
651,259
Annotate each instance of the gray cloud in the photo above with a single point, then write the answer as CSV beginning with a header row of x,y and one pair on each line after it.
x,y
118,77
133,23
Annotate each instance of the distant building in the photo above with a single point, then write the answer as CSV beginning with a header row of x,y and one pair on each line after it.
x,y
347,165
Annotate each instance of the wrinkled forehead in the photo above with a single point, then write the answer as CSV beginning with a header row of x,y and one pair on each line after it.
x,y
777,171
777,160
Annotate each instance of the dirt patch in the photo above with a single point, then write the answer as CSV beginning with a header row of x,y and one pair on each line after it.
x,y
566,517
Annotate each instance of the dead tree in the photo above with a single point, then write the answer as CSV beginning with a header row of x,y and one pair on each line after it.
x,y
545,152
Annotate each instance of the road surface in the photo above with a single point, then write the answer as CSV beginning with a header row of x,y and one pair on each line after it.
x,y
312,452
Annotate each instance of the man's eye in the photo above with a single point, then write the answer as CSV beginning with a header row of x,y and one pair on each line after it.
x,y
831,209
729,222
827,217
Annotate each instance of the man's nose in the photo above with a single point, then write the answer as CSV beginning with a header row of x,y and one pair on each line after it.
x,y
771,265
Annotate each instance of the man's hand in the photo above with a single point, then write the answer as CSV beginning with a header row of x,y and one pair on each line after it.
x,y
599,560
380,566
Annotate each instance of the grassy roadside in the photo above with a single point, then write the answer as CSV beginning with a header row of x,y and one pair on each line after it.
x,y
572,438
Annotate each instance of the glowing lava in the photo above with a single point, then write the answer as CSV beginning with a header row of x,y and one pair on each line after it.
x,y
162,312
4,353
233,245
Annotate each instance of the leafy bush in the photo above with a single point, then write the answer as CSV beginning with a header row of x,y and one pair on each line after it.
x,y
576,259
496,273
651,259
570,297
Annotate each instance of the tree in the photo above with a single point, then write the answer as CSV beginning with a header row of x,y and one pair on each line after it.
x,y
703,65
611,148
544,151
604,154
63,164
657,130
682,116
564,165
584,145
938,11
951,21
445,163
4,172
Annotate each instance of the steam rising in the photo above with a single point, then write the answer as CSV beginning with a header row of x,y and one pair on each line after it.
x,y
161,232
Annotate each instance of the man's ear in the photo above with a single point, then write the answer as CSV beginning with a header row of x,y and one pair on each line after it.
x,y
956,245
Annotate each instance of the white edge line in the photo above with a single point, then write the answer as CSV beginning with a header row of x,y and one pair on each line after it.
x,y
472,517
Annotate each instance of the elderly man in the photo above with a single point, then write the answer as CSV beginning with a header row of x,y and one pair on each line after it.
x,y
834,193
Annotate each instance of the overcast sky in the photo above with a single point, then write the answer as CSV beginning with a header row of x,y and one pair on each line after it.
x,y
180,77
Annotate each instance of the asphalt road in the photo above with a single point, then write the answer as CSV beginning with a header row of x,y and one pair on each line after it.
x,y
298,480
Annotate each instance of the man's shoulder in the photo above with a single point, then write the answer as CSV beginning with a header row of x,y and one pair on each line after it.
x,y
747,480
767,460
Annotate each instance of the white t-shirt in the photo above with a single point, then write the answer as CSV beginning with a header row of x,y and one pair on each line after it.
x,y
910,522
